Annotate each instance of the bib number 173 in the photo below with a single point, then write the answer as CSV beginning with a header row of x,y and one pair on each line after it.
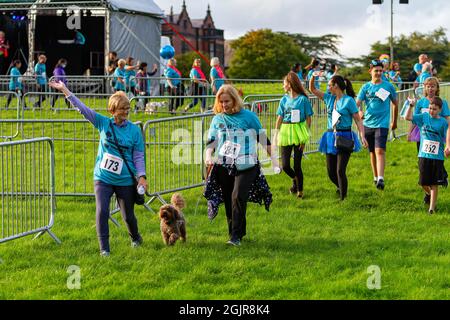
x,y
112,163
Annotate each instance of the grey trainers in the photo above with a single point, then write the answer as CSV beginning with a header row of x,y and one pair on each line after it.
x,y
104,253
235,243
137,243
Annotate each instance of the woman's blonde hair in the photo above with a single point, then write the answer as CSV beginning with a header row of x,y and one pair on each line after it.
x,y
122,62
427,81
195,60
214,61
234,95
118,100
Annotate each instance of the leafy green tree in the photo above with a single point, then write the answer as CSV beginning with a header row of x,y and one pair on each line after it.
x,y
263,54
321,46
407,50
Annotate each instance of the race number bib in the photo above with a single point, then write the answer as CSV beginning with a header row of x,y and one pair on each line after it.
x,y
230,149
382,94
430,147
295,116
112,163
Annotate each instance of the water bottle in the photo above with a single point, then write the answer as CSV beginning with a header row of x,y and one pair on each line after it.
x,y
141,190
277,170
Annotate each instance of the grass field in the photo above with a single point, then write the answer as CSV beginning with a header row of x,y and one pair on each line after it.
x,y
315,248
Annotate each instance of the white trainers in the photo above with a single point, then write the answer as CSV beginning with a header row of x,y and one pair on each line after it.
x,y
104,253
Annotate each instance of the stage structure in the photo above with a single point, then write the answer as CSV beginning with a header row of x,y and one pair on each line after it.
x,y
82,32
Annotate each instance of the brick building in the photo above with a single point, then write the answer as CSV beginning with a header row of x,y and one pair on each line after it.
x,y
201,33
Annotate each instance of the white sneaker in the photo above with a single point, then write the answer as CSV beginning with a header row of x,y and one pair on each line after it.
x,y
104,253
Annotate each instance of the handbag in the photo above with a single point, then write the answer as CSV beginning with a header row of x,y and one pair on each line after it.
x,y
342,143
138,198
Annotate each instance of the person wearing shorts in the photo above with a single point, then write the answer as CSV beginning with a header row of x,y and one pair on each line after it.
x,y
377,96
433,129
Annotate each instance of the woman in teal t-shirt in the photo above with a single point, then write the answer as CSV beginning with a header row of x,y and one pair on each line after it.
x,y
341,107
293,122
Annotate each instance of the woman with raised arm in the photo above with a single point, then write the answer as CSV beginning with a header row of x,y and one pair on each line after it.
x,y
341,110
120,161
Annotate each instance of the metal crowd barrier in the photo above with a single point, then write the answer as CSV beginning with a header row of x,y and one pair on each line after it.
x,y
27,188
10,113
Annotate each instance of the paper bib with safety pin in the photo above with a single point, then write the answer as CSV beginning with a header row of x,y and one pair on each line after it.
x,y
112,163
230,149
430,147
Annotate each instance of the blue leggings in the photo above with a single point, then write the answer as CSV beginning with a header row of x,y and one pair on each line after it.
x,y
125,197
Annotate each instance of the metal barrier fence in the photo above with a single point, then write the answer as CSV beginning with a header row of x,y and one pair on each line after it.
x,y
174,145
27,188
10,113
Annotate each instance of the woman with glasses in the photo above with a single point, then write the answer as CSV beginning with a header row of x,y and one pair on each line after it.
x,y
120,161
377,96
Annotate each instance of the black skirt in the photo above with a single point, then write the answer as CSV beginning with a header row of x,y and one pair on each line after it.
x,y
431,172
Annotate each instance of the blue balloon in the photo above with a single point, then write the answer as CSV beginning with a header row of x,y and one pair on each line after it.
x,y
167,52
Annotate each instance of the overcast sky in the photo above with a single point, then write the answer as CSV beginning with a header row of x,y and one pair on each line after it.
x,y
358,21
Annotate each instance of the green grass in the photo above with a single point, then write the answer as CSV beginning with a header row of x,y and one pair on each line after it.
x,y
315,248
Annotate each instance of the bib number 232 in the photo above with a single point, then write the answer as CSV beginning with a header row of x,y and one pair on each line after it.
x,y
112,163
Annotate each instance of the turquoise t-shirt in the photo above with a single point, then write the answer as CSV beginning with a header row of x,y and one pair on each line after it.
x,y
422,77
119,73
393,77
194,74
15,82
218,81
378,112
41,73
432,135
240,128
316,79
170,73
423,104
300,75
130,139
346,106
130,77
300,102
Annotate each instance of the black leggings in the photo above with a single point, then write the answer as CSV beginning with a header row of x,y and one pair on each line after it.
x,y
337,167
286,163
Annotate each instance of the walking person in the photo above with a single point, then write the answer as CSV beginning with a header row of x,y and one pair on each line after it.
x,y
377,96
341,110
216,75
198,85
143,82
15,83
293,123
433,130
120,161
119,76
173,85
59,75
40,70
233,134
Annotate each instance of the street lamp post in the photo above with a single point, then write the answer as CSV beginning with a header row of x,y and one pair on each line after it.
x,y
391,39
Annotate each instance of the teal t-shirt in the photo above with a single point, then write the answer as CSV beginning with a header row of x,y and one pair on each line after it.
x,y
346,106
422,77
15,82
300,102
130,77
173,75
423,104
41,73
218,81
316,79
119,73
432,135
240,128
378,112
130,139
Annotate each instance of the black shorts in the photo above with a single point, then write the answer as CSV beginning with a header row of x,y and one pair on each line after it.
x,y
376,137
431,172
